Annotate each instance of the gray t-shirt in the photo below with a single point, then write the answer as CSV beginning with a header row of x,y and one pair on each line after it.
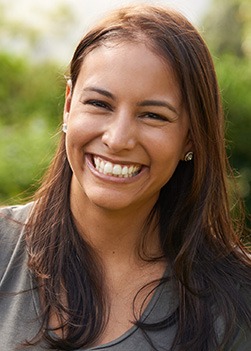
x,y
19,313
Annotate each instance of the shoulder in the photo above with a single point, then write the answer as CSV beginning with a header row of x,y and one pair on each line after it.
x,y
13,218
12,221
16,213
12,224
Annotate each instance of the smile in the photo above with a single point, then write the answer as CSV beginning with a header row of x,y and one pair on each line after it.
x,y
115,170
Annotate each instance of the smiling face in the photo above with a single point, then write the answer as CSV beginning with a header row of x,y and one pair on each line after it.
x,y
126,129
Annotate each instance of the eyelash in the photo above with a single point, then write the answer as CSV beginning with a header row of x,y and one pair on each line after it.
x,y
155,116
98,104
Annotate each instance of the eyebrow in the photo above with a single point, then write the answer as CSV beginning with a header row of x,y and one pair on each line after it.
x,y
145,103
158,103
100,91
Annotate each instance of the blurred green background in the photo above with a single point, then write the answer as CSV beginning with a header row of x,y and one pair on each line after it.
x,y
32,94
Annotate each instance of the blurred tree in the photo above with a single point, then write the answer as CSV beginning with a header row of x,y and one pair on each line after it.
x,y
31,102
228,27
28,91
31,96
35,35
228,33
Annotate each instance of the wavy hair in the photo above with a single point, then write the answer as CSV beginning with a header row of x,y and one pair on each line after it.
x,y
199,237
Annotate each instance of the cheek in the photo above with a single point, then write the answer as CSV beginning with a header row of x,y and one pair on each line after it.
x,y
80,131
168,148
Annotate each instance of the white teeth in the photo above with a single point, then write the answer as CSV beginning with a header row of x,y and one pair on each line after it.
x,y
130,170
97,162
108,168
125,171
116,170
101,165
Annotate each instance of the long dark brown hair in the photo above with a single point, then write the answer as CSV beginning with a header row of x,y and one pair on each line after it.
x,y
199,237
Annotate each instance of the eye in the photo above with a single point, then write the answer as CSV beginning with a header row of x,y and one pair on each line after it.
x,y
155,116
98,104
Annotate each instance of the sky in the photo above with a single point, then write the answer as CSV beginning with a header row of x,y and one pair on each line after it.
x,y
58,40
92,9
191,8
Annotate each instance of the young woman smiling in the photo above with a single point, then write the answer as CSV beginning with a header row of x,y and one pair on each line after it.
x,y
129,244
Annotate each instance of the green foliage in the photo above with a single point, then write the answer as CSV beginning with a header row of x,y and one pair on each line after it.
x,y
228,32
31,103
235,81
28,91
224,29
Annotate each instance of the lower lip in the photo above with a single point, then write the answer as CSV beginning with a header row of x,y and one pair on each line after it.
x,y
110,178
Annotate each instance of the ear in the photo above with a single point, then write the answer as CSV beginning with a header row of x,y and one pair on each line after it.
x,y
188,145
68,96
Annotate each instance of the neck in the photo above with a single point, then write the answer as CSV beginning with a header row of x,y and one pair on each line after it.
x,y
115,233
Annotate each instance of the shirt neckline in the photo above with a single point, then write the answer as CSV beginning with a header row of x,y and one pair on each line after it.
x,y
146,313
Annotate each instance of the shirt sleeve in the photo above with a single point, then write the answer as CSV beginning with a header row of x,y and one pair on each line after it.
x,y
12,221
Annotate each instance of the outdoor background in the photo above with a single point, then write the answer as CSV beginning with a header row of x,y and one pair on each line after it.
x,y
37,39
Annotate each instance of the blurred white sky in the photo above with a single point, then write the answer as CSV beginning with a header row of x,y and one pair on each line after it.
x,y
59,42
191,8
90,10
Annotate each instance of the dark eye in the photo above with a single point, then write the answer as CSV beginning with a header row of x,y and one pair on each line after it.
x,y
155,116
98,103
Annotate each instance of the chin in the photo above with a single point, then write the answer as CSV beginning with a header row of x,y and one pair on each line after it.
x,y
111,203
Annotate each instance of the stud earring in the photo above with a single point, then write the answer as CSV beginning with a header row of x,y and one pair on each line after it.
x,y
64,127
188,156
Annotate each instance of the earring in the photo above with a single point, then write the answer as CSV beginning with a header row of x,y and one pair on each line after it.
x,y
188,156
64,127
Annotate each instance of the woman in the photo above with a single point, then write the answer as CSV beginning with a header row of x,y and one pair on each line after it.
x,y
130,244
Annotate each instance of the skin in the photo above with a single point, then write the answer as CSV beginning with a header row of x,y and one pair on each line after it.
x,y
119,86
125,109
113,86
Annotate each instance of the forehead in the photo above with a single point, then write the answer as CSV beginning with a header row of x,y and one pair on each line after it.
x,y
141,43
134,64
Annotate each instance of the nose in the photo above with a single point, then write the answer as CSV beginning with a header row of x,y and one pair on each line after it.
x,y
120,133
